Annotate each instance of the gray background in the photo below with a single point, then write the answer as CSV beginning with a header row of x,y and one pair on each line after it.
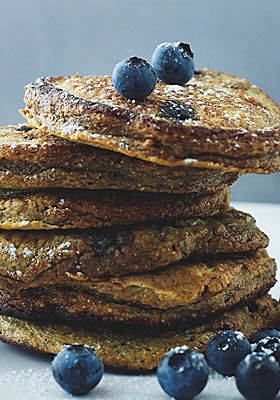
x,y
61,37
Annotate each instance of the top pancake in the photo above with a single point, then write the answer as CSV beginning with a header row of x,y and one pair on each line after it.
x,y
30,158
216,120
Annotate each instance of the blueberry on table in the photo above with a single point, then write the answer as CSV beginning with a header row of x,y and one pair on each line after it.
x,y
258,377
225,351
77,369
134,78
269,346
173,62
183,373
263,333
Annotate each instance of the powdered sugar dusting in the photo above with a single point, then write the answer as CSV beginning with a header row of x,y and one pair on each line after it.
x,y
190,160
26,252
218,99
11,251
63,248
239,335
180,350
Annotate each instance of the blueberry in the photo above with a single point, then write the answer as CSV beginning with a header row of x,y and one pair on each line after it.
x,y
77,369
173,62
225,350
258,377
24,128
183,373
176,111
269,346
263,333
134,78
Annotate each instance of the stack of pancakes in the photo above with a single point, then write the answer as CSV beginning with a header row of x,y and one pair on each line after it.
x,y
116,228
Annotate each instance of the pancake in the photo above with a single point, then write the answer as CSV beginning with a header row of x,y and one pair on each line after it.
x,y
179,294
70,208
216,120
136,351
34,258
33,159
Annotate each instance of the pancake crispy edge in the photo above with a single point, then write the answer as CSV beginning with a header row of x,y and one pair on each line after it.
x,y
68,209
136,351
30,158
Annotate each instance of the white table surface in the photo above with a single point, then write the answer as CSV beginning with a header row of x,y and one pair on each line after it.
x,y
27,376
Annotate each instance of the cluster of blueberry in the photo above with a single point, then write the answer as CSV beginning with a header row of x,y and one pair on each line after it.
x,y
183,373
134,78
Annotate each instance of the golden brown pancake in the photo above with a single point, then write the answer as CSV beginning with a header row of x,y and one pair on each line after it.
x,y
216,120
180,294
30,158
33,258
137,351
70,208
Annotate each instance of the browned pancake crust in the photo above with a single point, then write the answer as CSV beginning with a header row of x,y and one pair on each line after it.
x,y
216,120
34,159
177,295
33,258
68,209
137,351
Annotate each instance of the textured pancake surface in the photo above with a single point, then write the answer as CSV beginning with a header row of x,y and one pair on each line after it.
x,y
216,120
179,294
33,258
30,158
137,351
70,208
